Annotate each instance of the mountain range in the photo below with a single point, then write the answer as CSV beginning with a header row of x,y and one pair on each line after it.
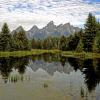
x,y
50,68
49,30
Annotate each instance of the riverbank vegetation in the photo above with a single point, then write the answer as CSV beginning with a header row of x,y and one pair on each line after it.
x,y
85,43
28,53
82,55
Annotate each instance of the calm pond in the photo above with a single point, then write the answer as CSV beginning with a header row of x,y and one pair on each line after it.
x,y
49,77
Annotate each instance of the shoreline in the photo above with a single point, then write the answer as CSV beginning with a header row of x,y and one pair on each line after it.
x,y
84,55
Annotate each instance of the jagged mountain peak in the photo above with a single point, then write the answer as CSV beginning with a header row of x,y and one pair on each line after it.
x,y
49,30
60,25
34,27
50,23
50,26
18,29
67,25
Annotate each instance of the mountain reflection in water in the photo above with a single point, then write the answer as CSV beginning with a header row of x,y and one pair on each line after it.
x,y
89,68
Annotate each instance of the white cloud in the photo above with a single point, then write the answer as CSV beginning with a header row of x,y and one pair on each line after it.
x,y
40,12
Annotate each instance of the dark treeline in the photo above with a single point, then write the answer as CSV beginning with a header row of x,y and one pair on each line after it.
x,y
62,43
87,39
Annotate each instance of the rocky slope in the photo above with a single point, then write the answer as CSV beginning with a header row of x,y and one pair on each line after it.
x,y
49,30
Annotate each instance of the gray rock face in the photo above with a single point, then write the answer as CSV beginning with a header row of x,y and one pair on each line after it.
x,y
50,30
50,68
20,28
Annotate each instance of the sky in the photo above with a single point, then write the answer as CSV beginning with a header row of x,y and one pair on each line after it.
x,y
27,13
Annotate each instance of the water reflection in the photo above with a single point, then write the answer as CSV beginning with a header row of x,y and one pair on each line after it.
x,y
92,73
5,68
7,64
51,64
90,68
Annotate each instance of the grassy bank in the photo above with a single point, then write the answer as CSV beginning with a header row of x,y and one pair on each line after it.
x,y
27,53
84,55
38,52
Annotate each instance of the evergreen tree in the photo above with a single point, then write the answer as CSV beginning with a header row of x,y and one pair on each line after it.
x,y
34,44
48,43
96,46
39,44
63,43
90,33
20,41
5,38
80,44
73,42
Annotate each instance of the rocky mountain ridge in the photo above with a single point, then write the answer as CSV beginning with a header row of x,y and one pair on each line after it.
x,y
49,30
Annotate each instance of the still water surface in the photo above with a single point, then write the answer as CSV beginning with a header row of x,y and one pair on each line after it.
x,y
49,77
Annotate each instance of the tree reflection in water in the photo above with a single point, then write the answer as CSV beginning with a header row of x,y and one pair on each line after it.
x,y
7,64
92,73
90,68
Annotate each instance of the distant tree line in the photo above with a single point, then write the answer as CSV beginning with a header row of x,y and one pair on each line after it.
x,y
87,39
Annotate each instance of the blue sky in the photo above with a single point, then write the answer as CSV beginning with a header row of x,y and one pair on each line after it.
x,y
39,12
94,0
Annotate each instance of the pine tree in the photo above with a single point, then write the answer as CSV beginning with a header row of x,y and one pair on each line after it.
x,y
96,46
90,33
34,44
5,38
21,41
63,43
80,44
73,42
